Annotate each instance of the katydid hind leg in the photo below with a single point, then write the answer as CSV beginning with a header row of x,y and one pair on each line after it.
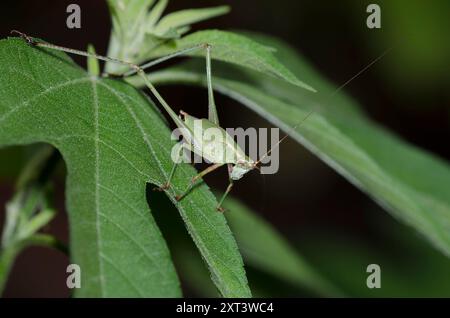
x,y
229,187
198,176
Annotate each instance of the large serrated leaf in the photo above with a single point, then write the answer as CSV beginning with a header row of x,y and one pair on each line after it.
x,y
113,142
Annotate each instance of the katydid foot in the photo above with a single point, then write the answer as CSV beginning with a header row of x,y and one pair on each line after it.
x,y
221,209
27,39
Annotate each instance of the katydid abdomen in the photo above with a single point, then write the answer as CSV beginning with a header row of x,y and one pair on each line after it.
x,y
211,141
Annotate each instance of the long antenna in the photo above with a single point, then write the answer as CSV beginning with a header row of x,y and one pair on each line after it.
x,y
285,136
331,95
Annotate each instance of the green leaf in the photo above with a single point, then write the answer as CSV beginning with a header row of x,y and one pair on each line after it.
x,y
155,14
182,18
410,183
113,142
264,248
236,49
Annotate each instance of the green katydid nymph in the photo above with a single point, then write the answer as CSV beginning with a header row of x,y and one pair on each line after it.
x,y
212,150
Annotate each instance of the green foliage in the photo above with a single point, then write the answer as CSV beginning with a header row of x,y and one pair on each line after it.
x,y
236,49
177,21
264,248
27,212
113,142
408,182
410,268
138,28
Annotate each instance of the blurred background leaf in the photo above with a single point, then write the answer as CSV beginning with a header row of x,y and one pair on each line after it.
x,y
265,249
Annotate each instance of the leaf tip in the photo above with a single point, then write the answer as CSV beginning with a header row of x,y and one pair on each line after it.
x,y
301,84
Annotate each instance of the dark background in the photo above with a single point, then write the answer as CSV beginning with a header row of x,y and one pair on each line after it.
x,y
407,91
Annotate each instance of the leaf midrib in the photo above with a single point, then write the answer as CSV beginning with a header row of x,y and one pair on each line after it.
x,y
97,183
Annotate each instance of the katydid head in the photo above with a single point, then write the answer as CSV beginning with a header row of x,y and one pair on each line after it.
x,y
245,165
242,167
